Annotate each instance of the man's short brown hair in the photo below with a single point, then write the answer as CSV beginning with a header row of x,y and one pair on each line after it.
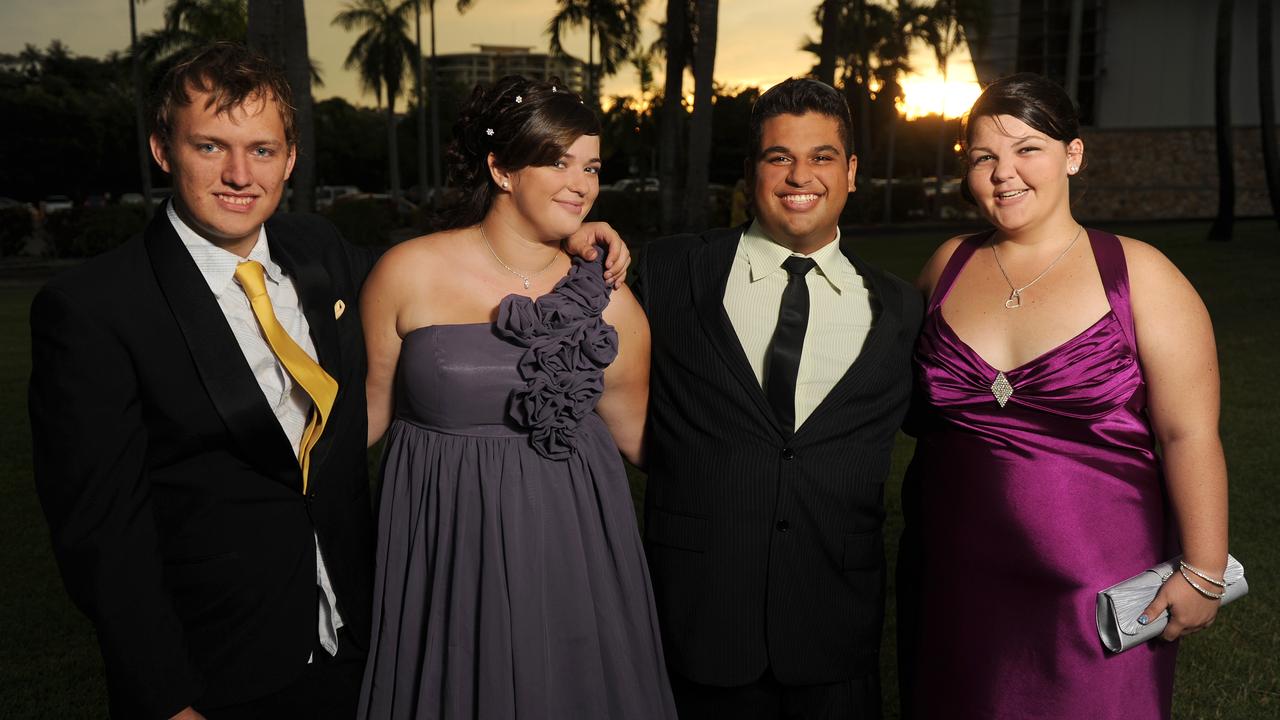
x,y
231,74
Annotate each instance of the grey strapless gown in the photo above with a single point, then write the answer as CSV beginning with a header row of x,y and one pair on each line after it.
x,y
511,581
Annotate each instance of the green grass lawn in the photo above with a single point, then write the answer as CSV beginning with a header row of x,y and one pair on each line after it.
x,y
49,664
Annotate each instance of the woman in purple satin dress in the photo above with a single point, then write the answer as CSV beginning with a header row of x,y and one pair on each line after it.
x,y
1052,361
511,581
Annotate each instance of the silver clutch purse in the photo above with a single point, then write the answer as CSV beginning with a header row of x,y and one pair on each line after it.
x,y
1120,605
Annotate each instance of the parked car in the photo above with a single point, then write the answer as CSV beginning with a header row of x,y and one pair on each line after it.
x,y
648,184
56,203
8,203
401,206
950,186
326,194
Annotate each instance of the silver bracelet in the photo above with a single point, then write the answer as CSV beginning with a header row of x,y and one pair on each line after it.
x,y
1200,573
1202,591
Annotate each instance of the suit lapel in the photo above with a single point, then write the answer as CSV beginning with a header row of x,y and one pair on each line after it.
x,y
316,294
710,272
887,324
230,384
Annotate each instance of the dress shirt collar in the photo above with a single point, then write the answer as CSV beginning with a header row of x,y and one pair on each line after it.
x,y
765,256
218,266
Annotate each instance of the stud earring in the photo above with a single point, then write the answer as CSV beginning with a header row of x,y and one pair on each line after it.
x,y
1072,170
504,184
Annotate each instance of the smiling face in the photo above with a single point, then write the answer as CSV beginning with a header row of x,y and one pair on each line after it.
x,y
228,169
553,200
1017,174
801,180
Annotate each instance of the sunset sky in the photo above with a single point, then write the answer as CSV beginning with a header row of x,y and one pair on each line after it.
x,y
759,40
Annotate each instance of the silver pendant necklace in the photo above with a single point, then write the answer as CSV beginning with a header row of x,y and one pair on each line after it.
x,y
527,278
1015,295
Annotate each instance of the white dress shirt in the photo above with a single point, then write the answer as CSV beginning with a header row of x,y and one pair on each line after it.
x,y
289,402
840,313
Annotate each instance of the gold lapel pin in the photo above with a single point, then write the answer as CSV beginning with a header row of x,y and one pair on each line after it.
x,y
338,308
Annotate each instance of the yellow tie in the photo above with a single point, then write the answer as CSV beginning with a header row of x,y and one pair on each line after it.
x,y
304,371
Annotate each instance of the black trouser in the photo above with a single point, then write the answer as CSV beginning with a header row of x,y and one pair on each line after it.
x,y
328,689
767,699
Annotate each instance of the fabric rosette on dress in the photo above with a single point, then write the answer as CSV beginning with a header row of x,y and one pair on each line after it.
x,y
567,347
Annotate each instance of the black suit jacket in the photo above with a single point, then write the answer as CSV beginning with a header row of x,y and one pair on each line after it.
x,y
765,549
173,496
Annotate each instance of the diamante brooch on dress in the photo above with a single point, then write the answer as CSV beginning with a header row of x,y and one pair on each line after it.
x,y
1001,388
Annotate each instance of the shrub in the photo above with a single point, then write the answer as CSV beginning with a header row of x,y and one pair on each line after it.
x,y
641,211
84,232
866,206
16,225
364,221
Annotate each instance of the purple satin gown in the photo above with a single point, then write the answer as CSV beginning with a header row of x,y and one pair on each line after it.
x,y
1026,511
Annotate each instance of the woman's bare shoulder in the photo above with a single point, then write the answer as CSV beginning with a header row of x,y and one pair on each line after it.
x,y
419,255
1154,281
933,267
1147,265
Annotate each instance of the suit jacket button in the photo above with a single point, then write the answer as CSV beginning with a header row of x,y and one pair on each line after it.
x,y
788,454
783,526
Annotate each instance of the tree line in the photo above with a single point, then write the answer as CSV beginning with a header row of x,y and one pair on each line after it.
x,y
80,106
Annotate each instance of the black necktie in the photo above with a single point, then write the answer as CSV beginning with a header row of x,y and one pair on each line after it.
x,y
788,340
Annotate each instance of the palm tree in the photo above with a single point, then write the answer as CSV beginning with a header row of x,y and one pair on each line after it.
x,y
381,55
139,98
463,6
417,83
945,32
642,61
615,24
191,23
909,23
278,29
862,28
671,116
1222,225
1266,98
829,19
704,64
861,18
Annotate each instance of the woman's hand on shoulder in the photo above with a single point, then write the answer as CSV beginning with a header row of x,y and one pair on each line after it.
x,y
583,244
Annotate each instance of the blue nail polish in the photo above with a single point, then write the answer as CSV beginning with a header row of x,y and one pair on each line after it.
x,y
1143,619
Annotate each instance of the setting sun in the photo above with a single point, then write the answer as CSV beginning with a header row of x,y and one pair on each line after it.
x,y
930,96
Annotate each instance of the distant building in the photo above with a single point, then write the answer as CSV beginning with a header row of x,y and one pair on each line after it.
x,y
491,62
1141,72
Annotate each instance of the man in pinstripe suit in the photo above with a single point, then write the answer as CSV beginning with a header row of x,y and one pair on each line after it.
x,y
781,372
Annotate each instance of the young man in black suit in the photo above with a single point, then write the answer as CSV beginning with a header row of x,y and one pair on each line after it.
x,y
198,409
781,372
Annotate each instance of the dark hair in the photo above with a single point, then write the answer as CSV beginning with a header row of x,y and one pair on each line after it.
x,y
1034,99
524,123
231,74
797,96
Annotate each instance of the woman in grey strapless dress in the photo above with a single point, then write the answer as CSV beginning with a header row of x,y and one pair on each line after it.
x,y
511,581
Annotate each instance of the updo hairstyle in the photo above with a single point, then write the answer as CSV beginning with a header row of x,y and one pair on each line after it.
x,y
524,123
1032,98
